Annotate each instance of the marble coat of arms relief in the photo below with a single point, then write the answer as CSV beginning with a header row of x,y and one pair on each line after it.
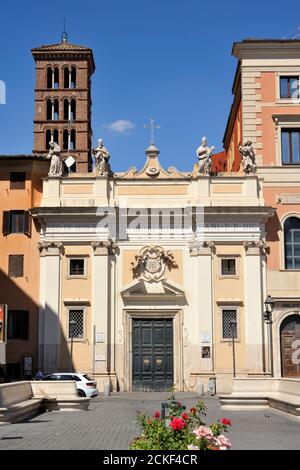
x,y
152,262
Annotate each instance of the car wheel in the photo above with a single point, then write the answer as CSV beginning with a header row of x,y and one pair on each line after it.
x,y
81,393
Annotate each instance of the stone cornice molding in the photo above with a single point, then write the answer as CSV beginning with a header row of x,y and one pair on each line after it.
x,y
50,248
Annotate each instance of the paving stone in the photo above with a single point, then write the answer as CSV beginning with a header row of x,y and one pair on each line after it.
x,y
111,424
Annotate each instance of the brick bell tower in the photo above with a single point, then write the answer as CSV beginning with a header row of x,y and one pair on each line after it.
x,y
63,101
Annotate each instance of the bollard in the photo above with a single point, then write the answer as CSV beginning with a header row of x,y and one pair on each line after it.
x,y
164,405
200,389
107,389
211,386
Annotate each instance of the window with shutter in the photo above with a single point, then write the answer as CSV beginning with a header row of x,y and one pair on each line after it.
x,y
27,223
16,265
17,180
6,223
17,221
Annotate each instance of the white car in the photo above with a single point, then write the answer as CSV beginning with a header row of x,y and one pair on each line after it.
x,y
86,387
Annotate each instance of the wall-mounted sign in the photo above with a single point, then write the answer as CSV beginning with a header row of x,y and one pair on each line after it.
x,y
205,337
205,352
100,358
27,365
100,337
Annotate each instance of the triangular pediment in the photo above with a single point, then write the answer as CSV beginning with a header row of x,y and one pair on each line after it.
x,y
162,290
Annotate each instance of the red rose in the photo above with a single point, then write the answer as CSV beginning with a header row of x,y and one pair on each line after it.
x,y
185,416
225,421
157,414
177,424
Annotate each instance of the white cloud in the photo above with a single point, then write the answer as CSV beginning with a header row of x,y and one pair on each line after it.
x,y
122,126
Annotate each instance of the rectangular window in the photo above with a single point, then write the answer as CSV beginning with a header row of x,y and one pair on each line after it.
x,y
77,267
18,324
16,222
17,180
76,324
289,87
15,265
229,324
228,267
290,146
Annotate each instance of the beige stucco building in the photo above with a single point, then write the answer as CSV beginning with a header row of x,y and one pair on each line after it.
x,y
153,298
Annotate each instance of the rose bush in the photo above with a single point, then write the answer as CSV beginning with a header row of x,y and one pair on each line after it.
x,y
181,430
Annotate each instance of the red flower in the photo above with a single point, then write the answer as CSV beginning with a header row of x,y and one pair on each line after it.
x,y
185,416
157,414
225,421
177,424
193,411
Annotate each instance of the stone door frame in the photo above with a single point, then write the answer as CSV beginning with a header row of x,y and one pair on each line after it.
x,y
151,314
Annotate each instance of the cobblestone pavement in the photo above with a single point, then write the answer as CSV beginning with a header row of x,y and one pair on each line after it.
x,y
111,424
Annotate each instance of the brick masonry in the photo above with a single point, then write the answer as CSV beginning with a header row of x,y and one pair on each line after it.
x,y
83,64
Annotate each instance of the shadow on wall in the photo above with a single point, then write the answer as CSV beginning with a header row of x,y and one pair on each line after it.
x,y
273,228
25,324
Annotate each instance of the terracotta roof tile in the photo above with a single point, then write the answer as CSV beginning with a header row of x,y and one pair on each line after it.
x,y
62,46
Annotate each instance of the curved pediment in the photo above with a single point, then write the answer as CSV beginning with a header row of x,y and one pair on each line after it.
x,y
152,169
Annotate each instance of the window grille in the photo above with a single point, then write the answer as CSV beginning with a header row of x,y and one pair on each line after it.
x,y
229,330
76,324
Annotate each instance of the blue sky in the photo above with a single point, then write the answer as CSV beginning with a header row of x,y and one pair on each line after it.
x,y
167,59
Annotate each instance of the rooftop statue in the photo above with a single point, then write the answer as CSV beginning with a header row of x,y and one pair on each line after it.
x,y
204,153
248,157
56,165
102,156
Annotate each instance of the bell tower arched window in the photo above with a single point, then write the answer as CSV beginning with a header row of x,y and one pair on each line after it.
x,y
70,77
52,110
48,138
292,243
73,110
66,139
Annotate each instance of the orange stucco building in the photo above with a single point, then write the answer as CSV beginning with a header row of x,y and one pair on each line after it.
x,y
266,111
20,189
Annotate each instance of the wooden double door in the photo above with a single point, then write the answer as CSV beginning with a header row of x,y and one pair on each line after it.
x,y
290,345
152,346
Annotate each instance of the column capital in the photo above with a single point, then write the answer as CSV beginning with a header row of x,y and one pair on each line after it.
x,y
104,248
49,248
201,248
258,247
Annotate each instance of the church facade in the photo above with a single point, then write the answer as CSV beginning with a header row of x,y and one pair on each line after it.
x,y
156,273
154,278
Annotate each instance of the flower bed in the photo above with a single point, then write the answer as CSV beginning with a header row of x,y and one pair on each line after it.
x,y
181,430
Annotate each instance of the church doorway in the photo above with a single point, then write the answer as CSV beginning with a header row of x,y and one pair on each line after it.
x,y
152,350
290,343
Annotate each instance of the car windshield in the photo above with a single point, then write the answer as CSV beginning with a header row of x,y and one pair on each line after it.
x,y
87,377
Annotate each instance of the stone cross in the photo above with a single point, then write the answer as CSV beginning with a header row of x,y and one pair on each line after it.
x,y
152,126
